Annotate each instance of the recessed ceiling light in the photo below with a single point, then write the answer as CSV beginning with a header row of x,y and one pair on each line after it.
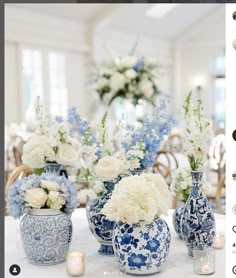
x,y
160,10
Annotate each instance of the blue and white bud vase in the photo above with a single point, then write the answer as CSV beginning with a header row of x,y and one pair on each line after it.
x,y
99,225
178,220
142,248
46,236
198,224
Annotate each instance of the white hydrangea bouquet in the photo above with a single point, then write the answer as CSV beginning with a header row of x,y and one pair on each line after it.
x,y
138,198
128,77
41,192
52,143
197,133
181,184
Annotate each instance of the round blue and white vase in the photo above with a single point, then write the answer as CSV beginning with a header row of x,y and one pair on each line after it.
x,y
46,236
198,224
99,225
142,248
178,219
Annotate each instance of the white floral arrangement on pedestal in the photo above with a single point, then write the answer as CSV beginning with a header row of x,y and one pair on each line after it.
x,y
127,77
138,198
52,143
181,184
197,133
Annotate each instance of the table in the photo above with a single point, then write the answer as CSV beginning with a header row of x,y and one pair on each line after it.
x,y
178,264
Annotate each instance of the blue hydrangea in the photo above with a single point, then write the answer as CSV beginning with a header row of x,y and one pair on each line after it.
x,y
16,205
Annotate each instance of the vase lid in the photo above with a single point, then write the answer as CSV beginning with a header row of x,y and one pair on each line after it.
x,y
45,211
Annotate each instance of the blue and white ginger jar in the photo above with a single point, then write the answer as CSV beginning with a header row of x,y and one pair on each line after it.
x,y
46,236
141,248
178,219
198,223
99,225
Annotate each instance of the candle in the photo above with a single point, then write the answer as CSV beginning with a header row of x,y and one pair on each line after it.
x,y
206,269
219,241
76,263
204,260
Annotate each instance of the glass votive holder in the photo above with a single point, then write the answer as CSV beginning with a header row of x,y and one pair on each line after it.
x,y
75,263
204,260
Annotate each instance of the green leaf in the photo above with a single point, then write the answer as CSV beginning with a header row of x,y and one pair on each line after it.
x,y
39,171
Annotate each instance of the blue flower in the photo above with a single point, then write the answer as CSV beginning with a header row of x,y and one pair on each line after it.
x,y
125,239
137,260
16,204
153,245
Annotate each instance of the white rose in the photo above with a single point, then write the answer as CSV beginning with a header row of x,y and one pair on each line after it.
x,y
102,82
50,185
108,168
38,149
117,82
35,197
146,87
67,155
127,62
130,73
55,200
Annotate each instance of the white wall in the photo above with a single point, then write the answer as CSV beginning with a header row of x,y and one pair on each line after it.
x,y
12,94
24,27
194,52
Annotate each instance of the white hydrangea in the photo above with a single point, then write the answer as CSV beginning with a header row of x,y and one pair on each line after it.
x,y
127,62
137,198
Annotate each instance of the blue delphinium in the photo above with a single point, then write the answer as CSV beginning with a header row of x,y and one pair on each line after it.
x,y
16,204
150,135
80,126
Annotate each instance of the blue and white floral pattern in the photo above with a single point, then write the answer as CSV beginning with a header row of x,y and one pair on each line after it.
x,y
99,225
178,220
198,228
143,247
46,238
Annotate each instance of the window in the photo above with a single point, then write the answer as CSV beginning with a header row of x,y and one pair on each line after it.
x,y
219,91
57,84
219,87
44,75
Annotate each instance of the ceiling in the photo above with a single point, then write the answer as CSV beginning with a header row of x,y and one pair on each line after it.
x,y
130,17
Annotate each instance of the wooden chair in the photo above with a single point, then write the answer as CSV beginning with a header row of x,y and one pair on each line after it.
x,y
168,159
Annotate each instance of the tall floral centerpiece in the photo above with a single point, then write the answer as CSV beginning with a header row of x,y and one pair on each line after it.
x,y
46,203
128,77
52,146
198,223
141,238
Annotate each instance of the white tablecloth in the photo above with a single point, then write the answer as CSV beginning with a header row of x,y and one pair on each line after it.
x,y
178,264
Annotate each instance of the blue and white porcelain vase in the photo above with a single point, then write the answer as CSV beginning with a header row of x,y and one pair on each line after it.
x,y
198,225
46,236
99,225
178,219
55,169
141,248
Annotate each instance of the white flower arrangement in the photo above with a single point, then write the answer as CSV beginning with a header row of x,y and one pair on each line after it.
x,y
181,184
128,77
51,144
197,133
137,198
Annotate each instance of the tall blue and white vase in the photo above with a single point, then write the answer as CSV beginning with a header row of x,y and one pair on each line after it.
x,y
99,225
46,236
142,248
178,219
198,226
